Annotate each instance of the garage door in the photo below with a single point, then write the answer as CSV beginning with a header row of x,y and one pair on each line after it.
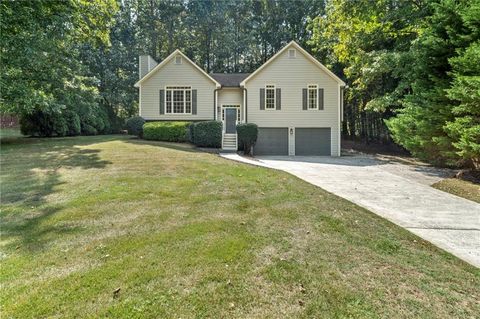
x,y
312,141
272,141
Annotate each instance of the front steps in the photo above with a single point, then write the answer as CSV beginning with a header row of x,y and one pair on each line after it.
x,y
229,142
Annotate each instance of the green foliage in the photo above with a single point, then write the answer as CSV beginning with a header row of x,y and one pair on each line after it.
x,y
412,65
134,125
439,120
44,124
44,80
87,129
166,131
40,42
247,136
191,133
227,35
465,90
208,134
366,42
73,123
85,120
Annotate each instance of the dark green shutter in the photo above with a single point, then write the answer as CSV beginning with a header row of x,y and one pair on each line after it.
x,y
279,99
262,99
162,101
320,99
305,92
194,101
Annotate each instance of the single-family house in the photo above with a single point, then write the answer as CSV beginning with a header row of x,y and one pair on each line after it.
x,y
293,98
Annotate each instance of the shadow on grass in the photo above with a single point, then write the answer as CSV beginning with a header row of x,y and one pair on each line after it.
x,y
29,173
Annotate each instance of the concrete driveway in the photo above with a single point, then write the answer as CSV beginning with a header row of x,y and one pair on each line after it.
x,y
398,192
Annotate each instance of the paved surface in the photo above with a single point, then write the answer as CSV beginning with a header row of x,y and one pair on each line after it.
x,y
399,192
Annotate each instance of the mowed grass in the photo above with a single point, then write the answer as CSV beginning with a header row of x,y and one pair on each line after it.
x,y
462,188
8,133
110,226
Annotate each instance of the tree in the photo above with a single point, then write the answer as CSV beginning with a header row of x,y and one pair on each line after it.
x,y
42,73
366,42
439,118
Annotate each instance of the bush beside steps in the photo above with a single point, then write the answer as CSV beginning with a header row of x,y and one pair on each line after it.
x,y
247,134
207,134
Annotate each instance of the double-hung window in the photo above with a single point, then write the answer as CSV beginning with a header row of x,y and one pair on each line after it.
x,y
312,97
270,97
178,100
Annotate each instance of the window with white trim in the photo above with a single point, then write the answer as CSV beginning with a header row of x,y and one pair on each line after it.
x,y
178,59
312,101
270,97
178,100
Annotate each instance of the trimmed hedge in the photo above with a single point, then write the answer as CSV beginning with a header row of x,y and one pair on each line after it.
x,y
190,132
134,125
247,136
207,134
166,131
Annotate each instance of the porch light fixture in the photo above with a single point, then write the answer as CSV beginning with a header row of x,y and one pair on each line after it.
x,y
291,131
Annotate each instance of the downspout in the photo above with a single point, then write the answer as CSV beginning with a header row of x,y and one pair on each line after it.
x,y
245,98
215,103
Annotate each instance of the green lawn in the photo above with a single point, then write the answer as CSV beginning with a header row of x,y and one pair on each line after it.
x,y
462,188
185,234
6,132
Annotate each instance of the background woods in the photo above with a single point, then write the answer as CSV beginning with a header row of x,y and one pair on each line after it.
x,y
68,67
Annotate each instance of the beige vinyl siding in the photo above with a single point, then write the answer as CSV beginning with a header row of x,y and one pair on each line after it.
x,y
292,75
229,96
172,74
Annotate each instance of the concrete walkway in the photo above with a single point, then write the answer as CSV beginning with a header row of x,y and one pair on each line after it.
x,y
398,192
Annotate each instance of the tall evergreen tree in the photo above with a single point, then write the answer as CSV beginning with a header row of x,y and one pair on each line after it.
x,y
439,118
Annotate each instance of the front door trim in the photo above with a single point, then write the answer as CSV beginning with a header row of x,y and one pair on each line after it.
x,y
223,115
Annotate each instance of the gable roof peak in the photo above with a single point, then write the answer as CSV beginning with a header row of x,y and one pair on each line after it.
x,y
305,53
165,61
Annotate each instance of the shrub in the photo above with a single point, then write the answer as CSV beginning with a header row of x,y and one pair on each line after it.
x,y
103,116
166,131
89,130
43,124
208,134
60,126
71,120
134,125
247,136
190,132
73,123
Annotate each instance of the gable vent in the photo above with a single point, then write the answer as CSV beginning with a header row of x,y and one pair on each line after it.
x,y
178,59
292,53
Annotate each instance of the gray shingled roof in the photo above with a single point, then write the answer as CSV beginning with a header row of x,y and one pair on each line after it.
x,y
229,79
